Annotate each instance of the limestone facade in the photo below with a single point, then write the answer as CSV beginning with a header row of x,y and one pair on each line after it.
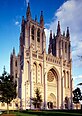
x,y
35,68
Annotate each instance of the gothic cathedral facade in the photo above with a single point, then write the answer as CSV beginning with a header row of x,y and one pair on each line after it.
x,y
35,68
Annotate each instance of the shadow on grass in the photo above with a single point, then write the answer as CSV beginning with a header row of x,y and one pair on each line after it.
x,y
54,112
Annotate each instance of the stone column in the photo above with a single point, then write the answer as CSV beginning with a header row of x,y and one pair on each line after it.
x,y
45,81
66,79
31,89
71,85
31,77
44,70
62,84
62,92
41,40
57,49
25,95
59,93
45,90
61,49
35,38
64,50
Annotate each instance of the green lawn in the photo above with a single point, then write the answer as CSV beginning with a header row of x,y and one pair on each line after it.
x,y
48,113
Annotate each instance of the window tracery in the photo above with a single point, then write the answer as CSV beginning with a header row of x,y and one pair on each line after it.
x,y
32,32
38,35
50,77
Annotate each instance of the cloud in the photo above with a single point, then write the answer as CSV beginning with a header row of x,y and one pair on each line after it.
x,y
79,77
69,15
77,80
17,23
27,2
47,31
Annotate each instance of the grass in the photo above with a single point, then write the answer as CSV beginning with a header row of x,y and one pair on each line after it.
x,y
49,113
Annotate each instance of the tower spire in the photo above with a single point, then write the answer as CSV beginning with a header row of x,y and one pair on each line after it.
x,y
23,24
41,19
23,20
67,34
13,51
50,43
28,12
63,33
50,36
58,29
54,36
35,17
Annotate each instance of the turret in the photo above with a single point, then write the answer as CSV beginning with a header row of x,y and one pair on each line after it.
x,y
54,36
23,21
23,24
64,33
13,51
41,19
36,18
67,34
28,13
50,36
58,29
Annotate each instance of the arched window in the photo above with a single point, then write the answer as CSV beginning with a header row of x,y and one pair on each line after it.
x,y
35,73
2,104
38,35
40,73
64,74
16,75
32,32
66,102
16,63
28,72
65,47
67,79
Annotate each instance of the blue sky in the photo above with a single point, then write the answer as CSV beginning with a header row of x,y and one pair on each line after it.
x,y
67,11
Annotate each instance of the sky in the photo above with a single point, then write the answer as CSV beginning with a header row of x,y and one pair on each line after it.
x,y
68,12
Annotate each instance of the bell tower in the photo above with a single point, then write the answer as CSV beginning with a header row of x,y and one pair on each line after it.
x,y
59,45
32,32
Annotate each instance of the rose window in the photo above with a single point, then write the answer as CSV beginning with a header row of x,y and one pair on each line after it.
x,y
50,77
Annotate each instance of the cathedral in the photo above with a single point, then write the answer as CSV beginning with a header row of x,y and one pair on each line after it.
x,y
34,68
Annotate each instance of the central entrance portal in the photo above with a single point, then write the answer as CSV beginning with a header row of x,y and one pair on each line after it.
x,y
51,101
52,89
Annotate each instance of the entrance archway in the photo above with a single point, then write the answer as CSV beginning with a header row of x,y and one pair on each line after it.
x,y
52,89
51,101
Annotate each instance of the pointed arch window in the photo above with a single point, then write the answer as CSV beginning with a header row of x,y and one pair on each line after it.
x,y
65,47
40,73
32,32
38,35
64,74
34,72
16,63
68,79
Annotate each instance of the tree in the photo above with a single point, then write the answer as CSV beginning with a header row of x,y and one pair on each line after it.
x,y
38,99
77,95
7,89
79,84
